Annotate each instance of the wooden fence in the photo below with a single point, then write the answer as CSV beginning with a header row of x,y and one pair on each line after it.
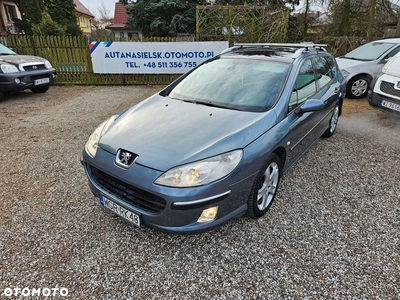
x,y
70,56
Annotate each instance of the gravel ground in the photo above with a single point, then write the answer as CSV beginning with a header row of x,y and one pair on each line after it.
x,y
332,232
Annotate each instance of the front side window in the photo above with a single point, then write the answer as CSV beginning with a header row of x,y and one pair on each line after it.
x,y
305,85
236,83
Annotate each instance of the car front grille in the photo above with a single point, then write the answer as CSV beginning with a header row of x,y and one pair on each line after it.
x,y
34,67
127,193
388,88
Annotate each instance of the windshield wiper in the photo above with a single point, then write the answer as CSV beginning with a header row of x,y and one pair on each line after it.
x,y
212,104
355,58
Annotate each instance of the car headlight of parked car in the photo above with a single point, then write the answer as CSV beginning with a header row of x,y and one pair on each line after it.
x,y
47,64
94,138
8,68
201,172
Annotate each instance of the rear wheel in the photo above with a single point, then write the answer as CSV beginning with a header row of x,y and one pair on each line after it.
x,y
40,89
265,187
357,87
333,122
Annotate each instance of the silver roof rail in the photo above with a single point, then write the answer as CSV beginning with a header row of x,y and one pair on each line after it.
x,y
302,46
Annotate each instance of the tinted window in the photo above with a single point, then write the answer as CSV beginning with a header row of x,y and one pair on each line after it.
x,y
393,52
239,83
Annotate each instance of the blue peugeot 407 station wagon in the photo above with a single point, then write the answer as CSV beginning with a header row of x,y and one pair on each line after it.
x,y
214,144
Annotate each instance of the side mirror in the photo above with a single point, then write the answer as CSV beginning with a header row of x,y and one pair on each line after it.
x,y
309,106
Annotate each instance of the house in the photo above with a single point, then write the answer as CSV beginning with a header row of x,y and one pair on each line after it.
x,y
118,28
8,11
84,17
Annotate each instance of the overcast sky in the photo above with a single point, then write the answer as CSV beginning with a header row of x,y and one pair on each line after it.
x,y
93,5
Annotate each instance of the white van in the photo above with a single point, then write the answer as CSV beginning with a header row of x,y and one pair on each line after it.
x,y
386,90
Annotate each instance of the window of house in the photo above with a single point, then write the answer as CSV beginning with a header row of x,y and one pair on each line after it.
x,y
11,12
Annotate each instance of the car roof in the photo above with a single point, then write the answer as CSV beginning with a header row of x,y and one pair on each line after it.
x,y
389,40
286,53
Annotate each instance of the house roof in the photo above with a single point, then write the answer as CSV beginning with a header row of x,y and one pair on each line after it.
x,y
120,17
80,8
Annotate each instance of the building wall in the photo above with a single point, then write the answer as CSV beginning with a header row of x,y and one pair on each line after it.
x,y
84,23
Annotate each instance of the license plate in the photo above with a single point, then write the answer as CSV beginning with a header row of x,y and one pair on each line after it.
x,y
121,211
41,81
390,105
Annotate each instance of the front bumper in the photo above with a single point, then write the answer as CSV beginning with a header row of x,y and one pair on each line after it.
x,y
12,82
174,210
375,100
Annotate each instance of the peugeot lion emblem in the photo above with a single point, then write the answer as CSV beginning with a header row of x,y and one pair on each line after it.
x,y
397,85
125,158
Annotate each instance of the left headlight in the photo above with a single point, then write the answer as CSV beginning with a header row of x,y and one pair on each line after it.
x,y
8,68
94,138
201,172
47,64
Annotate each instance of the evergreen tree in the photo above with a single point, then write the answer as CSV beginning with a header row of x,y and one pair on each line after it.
x,y
163,17
31,11
63,12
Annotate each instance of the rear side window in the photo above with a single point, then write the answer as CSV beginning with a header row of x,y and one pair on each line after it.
x,y
324,72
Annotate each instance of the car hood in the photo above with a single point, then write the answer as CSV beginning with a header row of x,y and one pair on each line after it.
x,y
20,59
345,63
392,67
165,133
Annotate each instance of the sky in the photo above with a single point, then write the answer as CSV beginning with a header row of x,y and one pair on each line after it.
x,y
93,5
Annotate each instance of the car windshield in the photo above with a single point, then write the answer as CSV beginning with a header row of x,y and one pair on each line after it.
x,y
235,83
370,51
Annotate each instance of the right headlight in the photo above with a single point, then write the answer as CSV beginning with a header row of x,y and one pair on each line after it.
x,y
201,172
47,64
8,68
93,142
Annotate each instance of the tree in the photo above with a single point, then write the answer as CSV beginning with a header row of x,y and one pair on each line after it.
x,y
31,11
47,27
63,12
164,17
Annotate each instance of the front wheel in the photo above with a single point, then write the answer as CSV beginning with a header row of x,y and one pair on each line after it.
x,y
40,89
332,122
265,187
357,87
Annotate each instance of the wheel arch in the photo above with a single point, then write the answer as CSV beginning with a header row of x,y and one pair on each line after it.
x,y
281,153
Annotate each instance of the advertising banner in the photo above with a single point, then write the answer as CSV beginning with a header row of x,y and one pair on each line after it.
x,y
151,58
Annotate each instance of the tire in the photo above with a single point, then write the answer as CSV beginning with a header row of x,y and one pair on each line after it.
x,y
265,187
40,89
357,87
2,96
332,122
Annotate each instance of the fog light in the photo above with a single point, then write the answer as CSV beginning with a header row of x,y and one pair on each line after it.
x,y
208,215
17,80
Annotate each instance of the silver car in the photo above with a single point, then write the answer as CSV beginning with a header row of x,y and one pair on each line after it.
x,y
363,64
